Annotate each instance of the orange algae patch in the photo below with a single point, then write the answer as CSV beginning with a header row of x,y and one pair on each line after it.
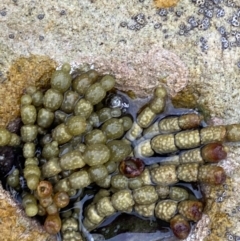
x,y
165,3
34,70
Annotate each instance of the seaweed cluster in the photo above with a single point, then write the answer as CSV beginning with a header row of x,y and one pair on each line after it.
x,y
82,134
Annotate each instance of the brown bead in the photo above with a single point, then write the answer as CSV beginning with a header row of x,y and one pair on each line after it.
x,y
44,189
180,226
131,167
61,199
211,174
213,152
52,224
191,210
189,121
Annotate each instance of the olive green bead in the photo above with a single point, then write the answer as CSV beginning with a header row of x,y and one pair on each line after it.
x,y
76,125
107,82
29,203
134,183
122,200
157,105
15,140
233,131
69,100
26,100
31,210
45,118
145,117
31,161
69,224
160,92
28,133
100,194
13,179
72,160
178,194
92,214
72,236
62,185
79,179
5,136
94,119
95,93
164,175
97,172
127,123
166,209
94,137
61,134
96,154
29,150
92,74
88,224
37,98
50,150
145,195
82,83
60,80
111,166
83,108
105,182
113,129
30,90
119,150
116,112
52,99
28,114
66,67
145,210
31,170
104,207
119,181
27,199
104,114
32,181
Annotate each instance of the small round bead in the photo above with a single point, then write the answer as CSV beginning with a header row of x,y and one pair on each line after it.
x,y
5,137
180,226
61,80
53,224
104,207
164,175
122,200
166,209
28,114
44,189
52,99
145,195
